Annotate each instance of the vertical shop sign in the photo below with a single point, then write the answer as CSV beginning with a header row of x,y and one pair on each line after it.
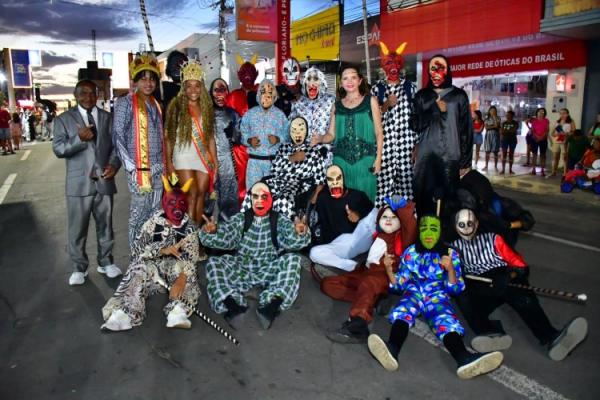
x,y
283,35
21,73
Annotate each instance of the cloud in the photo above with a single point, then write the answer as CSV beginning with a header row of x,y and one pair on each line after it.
x,y
47,90
67,21
51,59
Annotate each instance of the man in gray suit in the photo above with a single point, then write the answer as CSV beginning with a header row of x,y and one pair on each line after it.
x,y
82,136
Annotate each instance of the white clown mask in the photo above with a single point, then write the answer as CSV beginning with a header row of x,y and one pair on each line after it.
x,y
291,72
466,224
298,130
313,85
335,181
389,221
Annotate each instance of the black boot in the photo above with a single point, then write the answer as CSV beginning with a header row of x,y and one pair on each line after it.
x,y
235,313
353,331
267,314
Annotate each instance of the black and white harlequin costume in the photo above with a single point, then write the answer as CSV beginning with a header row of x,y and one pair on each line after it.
x,y
399,140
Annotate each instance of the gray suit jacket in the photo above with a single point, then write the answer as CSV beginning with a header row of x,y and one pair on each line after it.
x,y
85,160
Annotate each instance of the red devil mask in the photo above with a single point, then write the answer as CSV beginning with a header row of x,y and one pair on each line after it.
x,y
174,201
440,75
247,75
262,201
392,62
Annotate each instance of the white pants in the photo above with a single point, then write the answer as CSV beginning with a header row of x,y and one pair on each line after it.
x,y
340,252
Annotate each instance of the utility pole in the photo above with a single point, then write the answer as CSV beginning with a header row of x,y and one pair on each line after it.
x,y
223,9
366,41
94,44
146,25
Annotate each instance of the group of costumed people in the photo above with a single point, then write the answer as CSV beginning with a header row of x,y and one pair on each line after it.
x,y
383,174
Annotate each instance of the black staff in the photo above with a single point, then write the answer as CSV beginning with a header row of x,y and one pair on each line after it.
x,y
557,294
204,317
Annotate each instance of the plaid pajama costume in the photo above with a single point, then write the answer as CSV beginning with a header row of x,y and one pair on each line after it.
x,y
256,262
425,290
289,180
138,283
398,142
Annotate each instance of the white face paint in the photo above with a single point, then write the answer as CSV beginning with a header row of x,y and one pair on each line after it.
x,y
298,131
291,72
335,181
466,224
313,84
389,222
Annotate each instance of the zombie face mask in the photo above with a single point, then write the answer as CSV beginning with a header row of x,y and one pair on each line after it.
x,y
298,130
174,201
291,72
247,75
439,72
314,83
219,92
392,61
430,230
466,224
267,94
335,181
262,201
389,221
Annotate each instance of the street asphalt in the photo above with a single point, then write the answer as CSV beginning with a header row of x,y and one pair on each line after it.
x,y
51,346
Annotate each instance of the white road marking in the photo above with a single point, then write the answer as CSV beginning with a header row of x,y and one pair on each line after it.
x,y
25,155
508,377
564,241
6,186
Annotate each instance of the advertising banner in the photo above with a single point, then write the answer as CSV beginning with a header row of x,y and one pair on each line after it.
x,y
282,50
561,55
352,42
21,74
317,37
256,20
438,24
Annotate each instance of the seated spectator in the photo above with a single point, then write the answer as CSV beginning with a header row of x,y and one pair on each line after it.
x,y
577,144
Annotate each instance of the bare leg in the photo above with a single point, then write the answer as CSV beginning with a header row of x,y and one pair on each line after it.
x,y
511,157
477,150
496,161
533,162
487,160
504,161
201,181
192,194
543,163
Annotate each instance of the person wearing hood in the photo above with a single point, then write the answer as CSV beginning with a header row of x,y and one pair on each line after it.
x,y
289,91
315,106
264,127
170,89
227,134
442,120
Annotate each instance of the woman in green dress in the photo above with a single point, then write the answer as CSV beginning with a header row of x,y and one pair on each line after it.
x,y
356,133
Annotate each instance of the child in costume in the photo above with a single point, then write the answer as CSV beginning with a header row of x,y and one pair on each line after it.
x,y
167,246
396,230
488,255
258,235
428,275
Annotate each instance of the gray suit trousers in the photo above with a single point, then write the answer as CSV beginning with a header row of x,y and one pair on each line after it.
x,y
79,209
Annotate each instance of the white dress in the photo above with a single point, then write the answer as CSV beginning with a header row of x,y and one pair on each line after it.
x,y
185,156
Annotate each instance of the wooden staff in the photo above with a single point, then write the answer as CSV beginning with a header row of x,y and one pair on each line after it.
x,y
204,317
554,293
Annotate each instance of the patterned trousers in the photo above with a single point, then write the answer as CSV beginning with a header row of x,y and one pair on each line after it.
x,y
233,275
141,209
255,171
137,284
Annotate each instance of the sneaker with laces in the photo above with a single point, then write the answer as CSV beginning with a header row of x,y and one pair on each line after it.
x,y
112,271
77,278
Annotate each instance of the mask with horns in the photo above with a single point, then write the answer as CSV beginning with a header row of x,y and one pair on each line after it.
x,y
174,201
392,61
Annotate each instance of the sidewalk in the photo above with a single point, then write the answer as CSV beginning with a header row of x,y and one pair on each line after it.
x,y
524,182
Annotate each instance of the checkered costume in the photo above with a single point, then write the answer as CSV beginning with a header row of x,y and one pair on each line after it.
x,y
317,113
290,180
399,140
256,261
137,283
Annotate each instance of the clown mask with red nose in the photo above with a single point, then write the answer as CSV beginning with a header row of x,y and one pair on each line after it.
x,y
392,62
262,200
174,201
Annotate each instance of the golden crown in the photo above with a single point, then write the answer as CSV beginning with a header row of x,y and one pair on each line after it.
x,y
191,70
144,62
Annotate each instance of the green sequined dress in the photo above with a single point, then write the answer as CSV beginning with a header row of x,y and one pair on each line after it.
x,y
355,146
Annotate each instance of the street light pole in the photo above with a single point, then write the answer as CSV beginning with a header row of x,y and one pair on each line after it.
x,y
366,41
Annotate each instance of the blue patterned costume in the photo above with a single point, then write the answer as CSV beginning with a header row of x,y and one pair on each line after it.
x,y
261,123
425,290
143,205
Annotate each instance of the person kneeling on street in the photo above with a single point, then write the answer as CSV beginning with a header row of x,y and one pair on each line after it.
x,y
167,247
259,236
428,275
487,255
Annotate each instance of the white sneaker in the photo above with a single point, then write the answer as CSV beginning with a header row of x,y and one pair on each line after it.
x,y
118,321
112,271
177,318
77,278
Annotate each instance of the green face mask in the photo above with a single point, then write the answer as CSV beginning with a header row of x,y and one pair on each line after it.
x,y
429,231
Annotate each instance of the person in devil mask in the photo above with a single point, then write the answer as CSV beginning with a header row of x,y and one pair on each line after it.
x,y
442,120
170,89
346,223
289,91
167,246
244,98
395,98
259,237
227,135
